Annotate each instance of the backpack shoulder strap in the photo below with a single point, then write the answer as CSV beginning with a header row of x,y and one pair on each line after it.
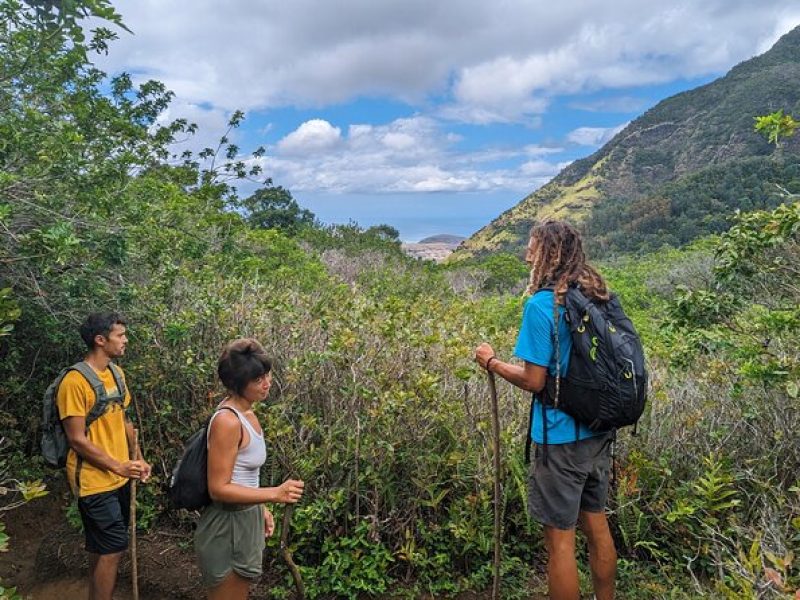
x,y
577,298
241,427
88,373
116,372
578,305
50,412
100,396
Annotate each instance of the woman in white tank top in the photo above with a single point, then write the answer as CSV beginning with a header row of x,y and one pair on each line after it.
x,y
229,539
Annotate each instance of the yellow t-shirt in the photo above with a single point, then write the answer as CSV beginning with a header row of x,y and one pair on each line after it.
x,y
75,399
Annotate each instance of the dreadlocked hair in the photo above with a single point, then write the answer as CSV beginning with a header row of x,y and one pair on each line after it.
x,y
557,260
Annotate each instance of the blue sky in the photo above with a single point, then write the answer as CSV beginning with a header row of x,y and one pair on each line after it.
x,y
431,117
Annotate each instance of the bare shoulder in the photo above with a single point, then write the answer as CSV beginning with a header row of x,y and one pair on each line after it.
x,y
223,435
225,423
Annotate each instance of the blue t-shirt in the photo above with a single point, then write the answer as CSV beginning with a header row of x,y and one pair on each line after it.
x,y
535,344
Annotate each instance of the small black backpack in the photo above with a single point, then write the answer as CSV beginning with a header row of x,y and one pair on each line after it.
x,y
606,386
188,486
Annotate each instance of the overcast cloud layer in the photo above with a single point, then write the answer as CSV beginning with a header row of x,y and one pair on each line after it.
x,y
455,63
493,59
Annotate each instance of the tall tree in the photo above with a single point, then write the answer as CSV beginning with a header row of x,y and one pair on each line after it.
x,y
273,207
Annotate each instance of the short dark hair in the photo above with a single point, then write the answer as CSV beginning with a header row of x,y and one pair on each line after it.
x,y
99,324
241,362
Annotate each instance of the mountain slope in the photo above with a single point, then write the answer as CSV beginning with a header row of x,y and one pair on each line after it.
x,y
630,194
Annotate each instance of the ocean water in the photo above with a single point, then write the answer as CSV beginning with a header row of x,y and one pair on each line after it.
x,y
415,215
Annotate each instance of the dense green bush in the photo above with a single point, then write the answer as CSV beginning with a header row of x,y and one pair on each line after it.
x,y
713,483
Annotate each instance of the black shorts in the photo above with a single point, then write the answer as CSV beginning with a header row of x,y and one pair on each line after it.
x,y
575,479
105,519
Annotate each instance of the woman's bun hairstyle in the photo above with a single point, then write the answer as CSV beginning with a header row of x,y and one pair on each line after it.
x,y
241,362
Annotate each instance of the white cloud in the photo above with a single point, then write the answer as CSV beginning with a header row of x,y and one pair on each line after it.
x,y
212,123
539,168
786,21
496,63
398,141
405,155
617,104
463,61
484,111
536,150
311,137
593,136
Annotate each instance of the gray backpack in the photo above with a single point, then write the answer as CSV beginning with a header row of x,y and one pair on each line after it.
x,y
54,439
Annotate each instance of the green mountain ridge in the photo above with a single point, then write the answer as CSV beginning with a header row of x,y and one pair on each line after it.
x,y
674,173
442,238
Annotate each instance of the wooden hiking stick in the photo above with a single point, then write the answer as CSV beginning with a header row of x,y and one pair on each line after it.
x,y
496,452
134,566
287,554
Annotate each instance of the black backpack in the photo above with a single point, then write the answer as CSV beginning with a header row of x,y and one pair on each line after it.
x,y
606,386
54,440
188,486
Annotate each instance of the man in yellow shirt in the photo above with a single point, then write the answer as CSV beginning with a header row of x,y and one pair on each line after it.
x,y
98,466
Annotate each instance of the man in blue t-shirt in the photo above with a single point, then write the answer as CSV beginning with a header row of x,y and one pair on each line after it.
x,y
535,344
570,487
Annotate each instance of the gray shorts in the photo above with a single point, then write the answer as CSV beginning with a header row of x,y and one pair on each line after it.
x,y
575,479
229,540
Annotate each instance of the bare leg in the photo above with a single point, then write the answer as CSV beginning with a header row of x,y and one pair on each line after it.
x,y
92,566
562,567
602,554
232,587
103,575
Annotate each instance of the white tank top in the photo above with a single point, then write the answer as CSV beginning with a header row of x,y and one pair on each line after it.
x,y
249,459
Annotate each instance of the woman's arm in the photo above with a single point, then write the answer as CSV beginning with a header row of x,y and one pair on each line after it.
x,y
223,446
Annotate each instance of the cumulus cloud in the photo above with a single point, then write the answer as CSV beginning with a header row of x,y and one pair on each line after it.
x,y
593,136
405,155
398,141
312,137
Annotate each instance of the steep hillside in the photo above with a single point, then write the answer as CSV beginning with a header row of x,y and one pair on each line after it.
x,y
677,171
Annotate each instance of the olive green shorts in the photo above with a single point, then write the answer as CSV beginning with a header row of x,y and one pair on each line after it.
x,y
229,540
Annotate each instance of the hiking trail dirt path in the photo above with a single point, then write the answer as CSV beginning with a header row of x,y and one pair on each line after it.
x,y
46,559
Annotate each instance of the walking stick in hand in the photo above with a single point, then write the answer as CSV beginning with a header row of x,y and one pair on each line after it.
x,y
134,567
287,554
496,452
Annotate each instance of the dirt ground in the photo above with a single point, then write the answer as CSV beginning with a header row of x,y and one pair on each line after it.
x,y
46,559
